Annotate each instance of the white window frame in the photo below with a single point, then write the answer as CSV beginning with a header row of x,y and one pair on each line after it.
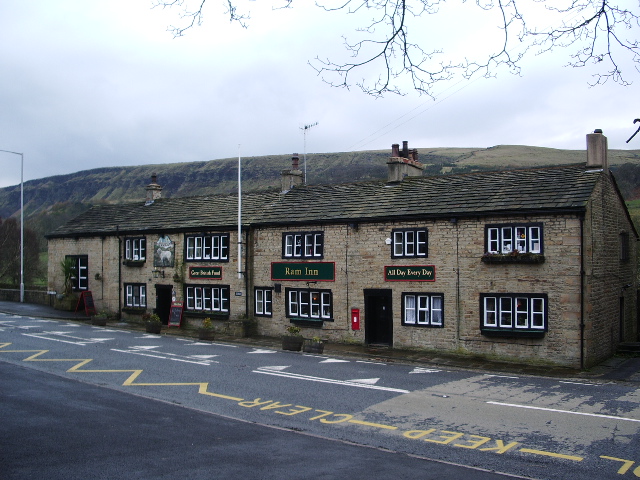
x,y
504,239
303,245
207,298
136,295
513,312
422,309
312,304
263,301
207,247
135,249
81,277
409,243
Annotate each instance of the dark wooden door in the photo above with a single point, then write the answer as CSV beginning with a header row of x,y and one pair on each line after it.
x,y
378,317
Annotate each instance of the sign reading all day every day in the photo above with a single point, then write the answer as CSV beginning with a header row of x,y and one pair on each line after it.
x,y
313,271
209,273
413,273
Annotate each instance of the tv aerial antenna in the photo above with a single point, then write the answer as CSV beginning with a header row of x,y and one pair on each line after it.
x,y
304,131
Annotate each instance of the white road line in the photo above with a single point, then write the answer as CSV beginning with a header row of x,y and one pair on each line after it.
x,y
597,415
581,383
82,344
267,371
142,354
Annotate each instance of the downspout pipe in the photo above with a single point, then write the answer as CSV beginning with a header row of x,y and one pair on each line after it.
x,y
119,272
582,326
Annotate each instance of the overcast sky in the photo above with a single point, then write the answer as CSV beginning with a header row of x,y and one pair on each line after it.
x,y
97,83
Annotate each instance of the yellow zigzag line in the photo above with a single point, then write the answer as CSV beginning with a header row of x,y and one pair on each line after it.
x,y
203,386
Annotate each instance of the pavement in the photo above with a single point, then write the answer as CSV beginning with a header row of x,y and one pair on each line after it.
x,y
617,368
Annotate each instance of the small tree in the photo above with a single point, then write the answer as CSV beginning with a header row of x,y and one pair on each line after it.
x,y
10,253
68,272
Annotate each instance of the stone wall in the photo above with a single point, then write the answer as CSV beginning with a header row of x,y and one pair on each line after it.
x,y
610,282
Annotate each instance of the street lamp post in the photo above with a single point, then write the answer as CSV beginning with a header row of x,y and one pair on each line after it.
x,y
21,222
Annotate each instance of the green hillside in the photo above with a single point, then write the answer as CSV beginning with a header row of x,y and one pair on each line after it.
x,y
51,201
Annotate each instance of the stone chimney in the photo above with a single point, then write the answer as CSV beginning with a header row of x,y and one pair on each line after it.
x,y
154,191
403,163
597,150
293,177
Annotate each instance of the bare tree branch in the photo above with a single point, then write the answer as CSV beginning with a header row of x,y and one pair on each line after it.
x,y
602,34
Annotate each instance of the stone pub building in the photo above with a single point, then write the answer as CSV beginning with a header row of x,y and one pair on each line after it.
x,y
535,264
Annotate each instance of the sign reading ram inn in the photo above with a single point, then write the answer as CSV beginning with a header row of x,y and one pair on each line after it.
x,y
312,271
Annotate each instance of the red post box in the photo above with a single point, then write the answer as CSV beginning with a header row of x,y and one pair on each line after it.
x,y
355,319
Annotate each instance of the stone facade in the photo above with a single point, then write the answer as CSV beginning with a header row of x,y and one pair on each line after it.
x,y
572,298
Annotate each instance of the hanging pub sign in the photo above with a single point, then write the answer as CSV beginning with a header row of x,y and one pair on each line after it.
x,y
412,273
164,253
206,273
311,272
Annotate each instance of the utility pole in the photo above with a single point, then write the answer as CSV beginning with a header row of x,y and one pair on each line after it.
x,y
304,131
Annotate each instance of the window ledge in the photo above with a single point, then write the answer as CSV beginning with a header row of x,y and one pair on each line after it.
x,y
530,258
211,315
134,310
514,333
134,263
309,322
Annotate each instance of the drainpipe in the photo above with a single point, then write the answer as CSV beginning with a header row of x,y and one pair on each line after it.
x,y
458,317
582,292
119,271
246,276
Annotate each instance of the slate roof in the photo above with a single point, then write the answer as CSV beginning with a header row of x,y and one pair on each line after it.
x,y
557,189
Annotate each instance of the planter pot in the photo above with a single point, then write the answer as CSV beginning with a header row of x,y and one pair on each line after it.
x,y
291,342
313,347
68,303
205,334
530,258
153,327
99,320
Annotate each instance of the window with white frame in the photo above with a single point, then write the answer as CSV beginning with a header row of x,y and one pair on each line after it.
x,y
303,245
135,295
263,301
309,304
208,246
409,243
513,312
80,277
422,309
135,249
207,298
504,239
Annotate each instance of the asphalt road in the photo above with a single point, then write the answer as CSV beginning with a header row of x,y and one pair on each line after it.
x,y
537,427
57,428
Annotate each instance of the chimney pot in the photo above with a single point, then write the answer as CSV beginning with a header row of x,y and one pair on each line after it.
x,y
154,191
597,150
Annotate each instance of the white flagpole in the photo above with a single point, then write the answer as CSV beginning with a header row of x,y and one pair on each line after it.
x,y
239,215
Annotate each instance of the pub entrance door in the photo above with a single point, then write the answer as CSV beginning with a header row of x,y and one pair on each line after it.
x,y
378,317
163,302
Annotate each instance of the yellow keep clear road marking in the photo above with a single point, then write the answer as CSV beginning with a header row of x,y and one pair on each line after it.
x,y
203,390
135,373
552,454
371,424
